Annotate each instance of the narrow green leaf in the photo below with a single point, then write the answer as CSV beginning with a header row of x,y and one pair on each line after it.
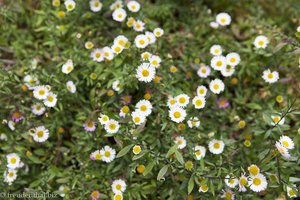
x,y
191,184
179,157
124,151
149,168
162,172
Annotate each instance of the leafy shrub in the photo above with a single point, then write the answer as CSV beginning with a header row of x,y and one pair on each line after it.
x,y
86,113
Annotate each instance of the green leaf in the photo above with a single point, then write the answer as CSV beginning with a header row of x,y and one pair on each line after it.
x,y
136,157
124,151
294,179
191,184
179,157
162,172
254,106
172,150
149,168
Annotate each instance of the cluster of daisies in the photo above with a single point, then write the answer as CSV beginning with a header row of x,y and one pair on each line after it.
x,y
283,145
147,70
106,154
13,163
118,187
222,19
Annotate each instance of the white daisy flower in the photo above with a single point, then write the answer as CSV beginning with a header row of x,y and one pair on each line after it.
x,y
118,196
155,61
95,5
97,55
41,92
121,40
146,56
11,125
70,5
144,107
67,67
117,49
117,4
31,79
270,77
138,117
88,45
38,109
253,170
145,72
138,26
112,126
193,122
64,189
204,71
182,100
103,119
40,134
276,120
10,175
71,86
292,192
216,146
108,154
133,6
233,59
119,15
228,195
203,188
261,41
201,90
214,25
258,183
223,19
158,32
13,160
199,102
116,85
177,114
228,71
51,100
136,149
243,183
108,53
231,182
282,150
218,62
216,50
216,86
180,141
141,41
118,186
96,155
151,37
200,152
171,102
287,142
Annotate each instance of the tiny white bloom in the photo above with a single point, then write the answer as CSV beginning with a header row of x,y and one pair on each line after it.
x,y
108,53
228,71
261,41
146,56
118,186
67,67
145,72
133,6
292,191
40,134
158,32
138,117
200,152
138,26
216,86
287,142
201,90
282,150
121,40
119,14
51,100
112,126
41,92
233,59
180,141
182,100
108,154
71,86
10,175
70,5
151,37
204,71
97,55
95,5
230,181
38,109
116,85
193,122
223,19
276,120
13,160
199,102
144,107
177,114
155,61
216,146
270,77
103,119
216,50
141,41
214,25
218,62
258,183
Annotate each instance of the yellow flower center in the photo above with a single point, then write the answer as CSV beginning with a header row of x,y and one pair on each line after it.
x,y
95,194
177,114
120,15
137,149
223,20
243,181
154,62
260,43
219,63
254,170
142,42
145,72
10,174
90,124
41,92
137,119
69,68
70,6
270,75
216,86
13,160
228,195
292,193
256,181
217,145
172,101
198,102
97,55
112,126
125,109
231,181
96,4
198,153
276,119
143,108
118,187
216,50
40,134
285,143
182,100
50,98
117,49
98,156
203,70
107,154
232,59
118,197
204,188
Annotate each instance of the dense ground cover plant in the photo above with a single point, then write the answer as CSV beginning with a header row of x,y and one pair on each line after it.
x,y
150,99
